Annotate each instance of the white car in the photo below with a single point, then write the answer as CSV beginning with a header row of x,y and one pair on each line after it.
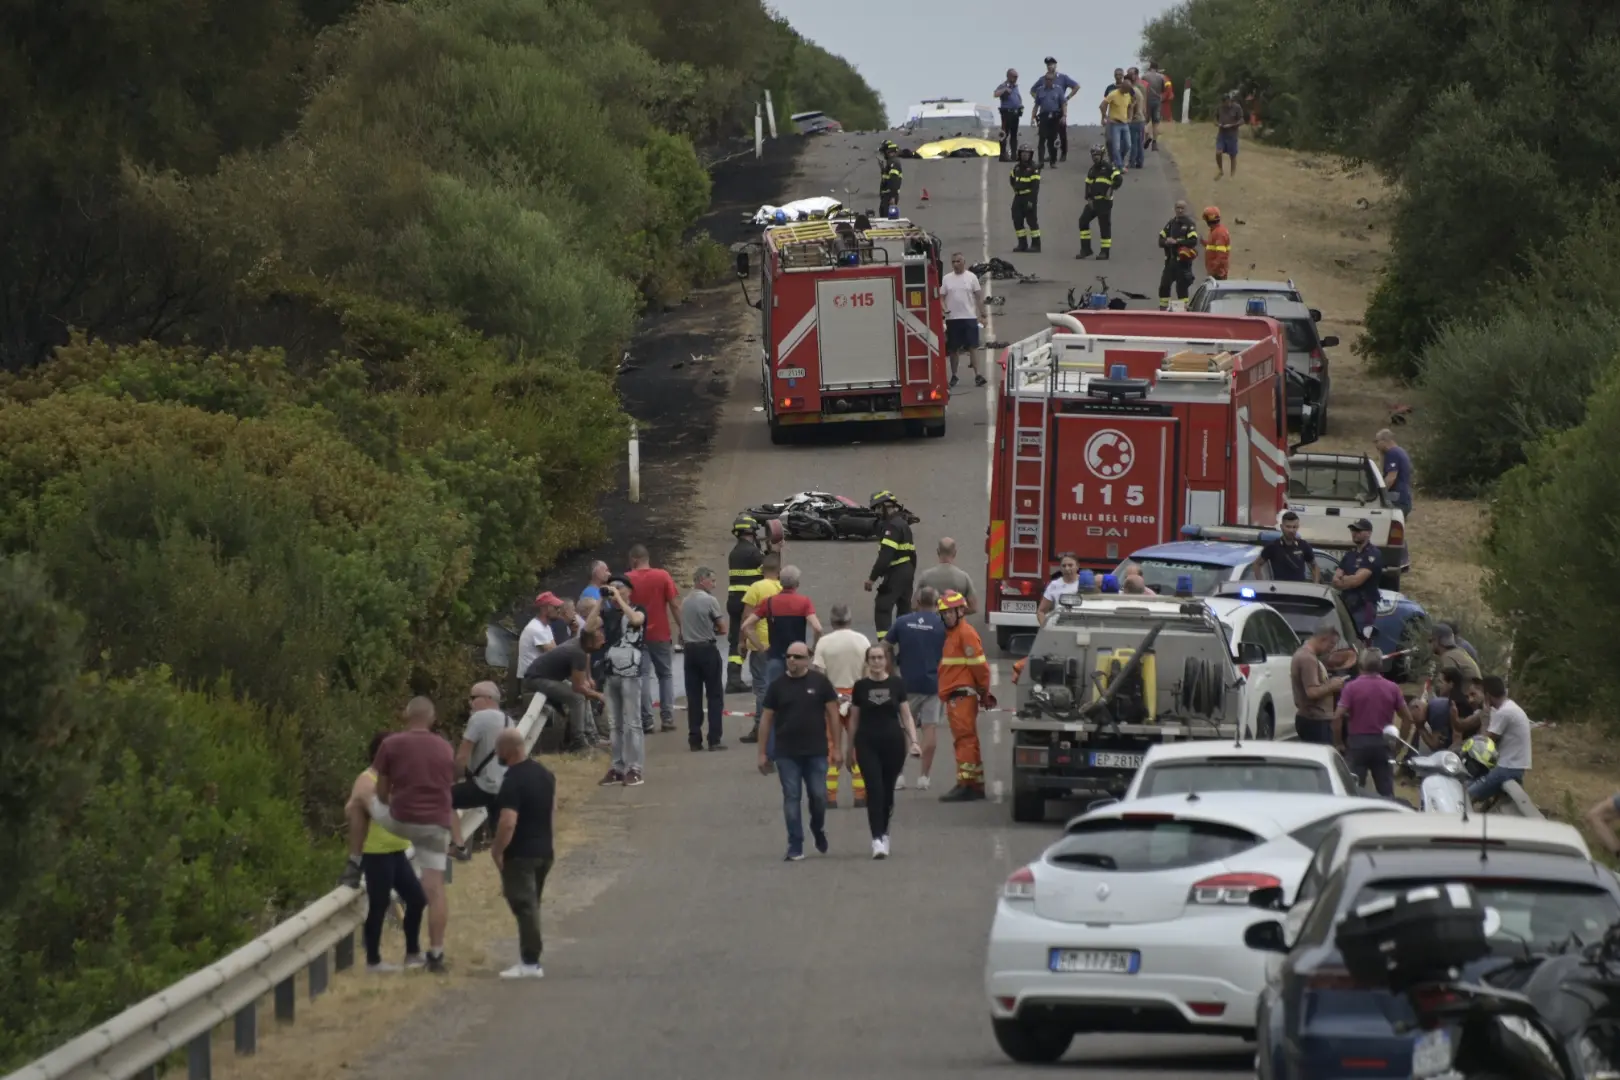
x,y
1263,646
1205,766
1134,920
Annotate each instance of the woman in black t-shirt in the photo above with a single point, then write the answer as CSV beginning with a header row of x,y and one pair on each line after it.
x,y
882,731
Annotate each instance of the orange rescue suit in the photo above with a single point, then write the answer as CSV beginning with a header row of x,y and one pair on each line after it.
x,y
1218,252
964,676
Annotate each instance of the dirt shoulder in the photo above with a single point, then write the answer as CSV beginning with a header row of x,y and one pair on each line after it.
x,y
1309,218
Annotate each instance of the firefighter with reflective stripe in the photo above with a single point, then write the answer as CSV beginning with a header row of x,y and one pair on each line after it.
x,y
1218,249
889,179
1025,179
964,684
1102,180
896,565
743,568
1179,241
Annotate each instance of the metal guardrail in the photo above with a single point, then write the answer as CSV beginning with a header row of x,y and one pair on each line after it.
x,y
1518,804
184,1016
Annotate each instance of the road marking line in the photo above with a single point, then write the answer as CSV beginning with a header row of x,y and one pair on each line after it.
x,y
997,790
995,732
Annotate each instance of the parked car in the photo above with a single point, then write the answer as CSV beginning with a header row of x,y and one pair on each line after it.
x,y
1134,920
1328,491
1536,879
1306,357
1211,289
1274,767
1400,633
815,123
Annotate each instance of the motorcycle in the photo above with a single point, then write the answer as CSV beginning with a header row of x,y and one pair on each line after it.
x,y
819,515
1099,296
1443,776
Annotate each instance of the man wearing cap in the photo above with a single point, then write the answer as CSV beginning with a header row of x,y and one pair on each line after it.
x,y
1012,107
537,636
1052,93
1358,575
1313,690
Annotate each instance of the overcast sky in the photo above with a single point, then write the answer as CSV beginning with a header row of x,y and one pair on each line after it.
x,y
914,49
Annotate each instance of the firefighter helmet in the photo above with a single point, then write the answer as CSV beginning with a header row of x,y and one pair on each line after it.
x,y
1025,148
951,600
881,497
1212,214
1098,151
744,525
1481,748
889,147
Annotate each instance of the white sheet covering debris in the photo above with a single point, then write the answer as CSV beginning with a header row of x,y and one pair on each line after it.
x,y
798,210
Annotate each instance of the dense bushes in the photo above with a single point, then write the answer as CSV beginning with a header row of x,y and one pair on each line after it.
x,y
306,369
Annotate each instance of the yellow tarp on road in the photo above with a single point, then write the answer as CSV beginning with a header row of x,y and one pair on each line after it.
x,y
960,148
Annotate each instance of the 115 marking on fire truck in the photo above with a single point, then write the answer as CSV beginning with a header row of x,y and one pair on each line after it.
x,y
860,299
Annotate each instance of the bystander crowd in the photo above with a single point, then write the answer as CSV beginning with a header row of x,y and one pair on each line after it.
x,y
524,850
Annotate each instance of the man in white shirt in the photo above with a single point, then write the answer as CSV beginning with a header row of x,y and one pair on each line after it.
x,y
537,636
1510,727
964,316
841,656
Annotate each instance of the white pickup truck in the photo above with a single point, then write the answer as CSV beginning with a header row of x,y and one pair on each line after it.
x,y
1329,491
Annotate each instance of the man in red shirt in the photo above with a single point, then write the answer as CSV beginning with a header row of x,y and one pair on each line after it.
x,y
654,592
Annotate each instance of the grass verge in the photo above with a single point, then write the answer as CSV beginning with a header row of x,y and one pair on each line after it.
x,y
1308,217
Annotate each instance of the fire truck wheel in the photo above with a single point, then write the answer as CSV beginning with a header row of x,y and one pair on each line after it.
x,y
1004,638
935,431
1028,806
780,436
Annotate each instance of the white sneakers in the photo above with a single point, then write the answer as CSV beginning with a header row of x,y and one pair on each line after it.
x,y
880,848
524,971
900,784
922,782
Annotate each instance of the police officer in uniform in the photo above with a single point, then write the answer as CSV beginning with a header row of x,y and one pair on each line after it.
x,y
1026,185
1102,180
889,179
743,568
896,564
1179,240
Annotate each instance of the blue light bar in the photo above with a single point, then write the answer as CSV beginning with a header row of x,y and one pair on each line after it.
x,y
1256,305
1246,592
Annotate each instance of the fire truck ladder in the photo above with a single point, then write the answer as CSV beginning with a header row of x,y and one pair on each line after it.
x,y
1032,379
918,361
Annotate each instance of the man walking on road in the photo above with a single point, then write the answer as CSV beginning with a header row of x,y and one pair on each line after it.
x,y
654,592
523,850
702,626
1025,180
841,656
1228,120
945,576
759,680
1153,82
1012,107
801,720
964,683
918,641
415,771
1116,110
742,571
789,618
1218,251
894,571
964,315
1052,93
1103,179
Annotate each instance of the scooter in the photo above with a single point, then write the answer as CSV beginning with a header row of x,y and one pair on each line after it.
x,y
1443,779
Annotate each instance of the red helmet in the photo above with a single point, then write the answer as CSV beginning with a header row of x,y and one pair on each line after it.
x,y
952,601
1212,214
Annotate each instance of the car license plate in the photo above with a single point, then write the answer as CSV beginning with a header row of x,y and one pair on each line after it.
x,y
1116,761
790,373
1431,1054
1095,961
1018,607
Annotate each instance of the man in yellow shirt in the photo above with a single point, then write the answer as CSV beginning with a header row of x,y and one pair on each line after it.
x,y
760,591
1116,109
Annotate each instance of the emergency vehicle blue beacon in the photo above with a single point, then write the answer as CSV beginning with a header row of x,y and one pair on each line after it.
x,y
1256,305
1184,585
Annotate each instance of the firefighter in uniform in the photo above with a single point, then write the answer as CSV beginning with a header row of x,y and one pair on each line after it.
x,y
1218,249
1102,180
743,569
964,684
889,179
1025,179
896,564
1179,240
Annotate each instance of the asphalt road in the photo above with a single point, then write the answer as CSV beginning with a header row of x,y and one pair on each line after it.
x,y
701,953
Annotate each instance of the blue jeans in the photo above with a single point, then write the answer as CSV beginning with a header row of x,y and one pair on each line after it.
x,y
1491,783
775,668
1136,143
798,774
658,657
1119,143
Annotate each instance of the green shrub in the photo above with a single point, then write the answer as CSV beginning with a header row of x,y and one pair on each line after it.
x,y
1499,386
1553,522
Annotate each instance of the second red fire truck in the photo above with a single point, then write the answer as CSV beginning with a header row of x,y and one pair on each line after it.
x,y
852,327
1116,428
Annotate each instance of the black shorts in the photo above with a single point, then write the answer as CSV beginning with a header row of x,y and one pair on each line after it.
x,y
961,335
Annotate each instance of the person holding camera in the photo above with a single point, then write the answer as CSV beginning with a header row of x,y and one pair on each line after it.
x,y
623,635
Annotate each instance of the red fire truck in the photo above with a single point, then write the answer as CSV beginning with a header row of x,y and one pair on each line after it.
x,y
853,328
1116,428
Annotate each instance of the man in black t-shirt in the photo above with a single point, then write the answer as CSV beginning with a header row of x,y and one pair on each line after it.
x,y
523,850
1290,558
563,675
800,729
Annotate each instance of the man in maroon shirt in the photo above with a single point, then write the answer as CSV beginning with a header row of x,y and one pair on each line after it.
x,y
654,592
415,771
1368,704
